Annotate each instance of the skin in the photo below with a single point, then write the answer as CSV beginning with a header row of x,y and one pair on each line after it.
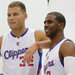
x,y
55,31
16,21
0,44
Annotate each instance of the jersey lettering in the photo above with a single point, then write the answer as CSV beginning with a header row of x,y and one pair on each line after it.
x,y
48,73
23,64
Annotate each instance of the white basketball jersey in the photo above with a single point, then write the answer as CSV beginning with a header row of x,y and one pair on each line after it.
x,y
13,50
53,65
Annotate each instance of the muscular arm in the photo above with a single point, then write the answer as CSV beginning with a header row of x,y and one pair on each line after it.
x,y
68,52
0,44
68,49
40,37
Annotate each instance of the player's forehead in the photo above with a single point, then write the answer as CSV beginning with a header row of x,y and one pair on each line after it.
x,y
50,17
14,9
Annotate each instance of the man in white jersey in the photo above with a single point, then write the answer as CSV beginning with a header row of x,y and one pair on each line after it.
x,y
60,59
14,44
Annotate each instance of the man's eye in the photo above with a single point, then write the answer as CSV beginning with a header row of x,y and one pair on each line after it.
x,y
15,14
48,21
44,22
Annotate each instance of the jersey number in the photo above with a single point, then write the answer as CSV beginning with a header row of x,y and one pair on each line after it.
x,y
48,73
23,64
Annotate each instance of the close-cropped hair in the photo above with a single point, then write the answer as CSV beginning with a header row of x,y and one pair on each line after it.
x,y
18,4
59,17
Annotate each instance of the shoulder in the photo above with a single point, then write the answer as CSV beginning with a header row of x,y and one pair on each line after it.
x,y
68,48
40,32
40,35
2,37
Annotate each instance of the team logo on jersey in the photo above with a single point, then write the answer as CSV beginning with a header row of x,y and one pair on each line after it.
x,y
18,43
49,64
14,53
47,53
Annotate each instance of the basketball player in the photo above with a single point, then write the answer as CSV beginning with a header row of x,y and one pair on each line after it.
x,y
60,59
14,44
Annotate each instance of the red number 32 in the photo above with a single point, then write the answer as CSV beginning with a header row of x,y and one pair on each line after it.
x,y
23,64
48,73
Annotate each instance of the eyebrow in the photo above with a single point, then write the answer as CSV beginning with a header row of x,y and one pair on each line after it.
x,y
48,21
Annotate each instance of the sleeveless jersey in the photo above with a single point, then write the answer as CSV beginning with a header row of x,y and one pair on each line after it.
x,y
13,50
53,65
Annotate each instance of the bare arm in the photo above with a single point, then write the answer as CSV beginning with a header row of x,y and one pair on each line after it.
x,y
68,52
44,44
31,50
68,49
40,37
0,44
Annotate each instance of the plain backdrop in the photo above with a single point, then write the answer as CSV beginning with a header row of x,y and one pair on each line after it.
x,y
37,10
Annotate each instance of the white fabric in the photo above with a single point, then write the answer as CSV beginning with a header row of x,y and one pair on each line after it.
x,y
13,50
52,64
69,65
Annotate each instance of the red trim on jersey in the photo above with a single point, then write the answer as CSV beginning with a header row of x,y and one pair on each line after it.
x,y
39,69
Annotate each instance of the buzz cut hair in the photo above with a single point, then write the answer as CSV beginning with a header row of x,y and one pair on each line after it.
x,y
59,17
18,4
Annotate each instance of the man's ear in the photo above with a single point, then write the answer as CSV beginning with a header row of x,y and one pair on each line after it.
x,y
25,15
61,25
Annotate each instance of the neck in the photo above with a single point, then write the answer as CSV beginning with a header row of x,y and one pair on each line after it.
x,y
56,39
19,32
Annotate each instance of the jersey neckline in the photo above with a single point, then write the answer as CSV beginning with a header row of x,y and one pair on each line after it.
x,y
56,44
21,35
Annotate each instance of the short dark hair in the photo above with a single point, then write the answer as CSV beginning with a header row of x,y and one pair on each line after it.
x,y
59,17
19,4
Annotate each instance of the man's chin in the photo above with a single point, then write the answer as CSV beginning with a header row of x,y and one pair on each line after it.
x,y
12,28
47,35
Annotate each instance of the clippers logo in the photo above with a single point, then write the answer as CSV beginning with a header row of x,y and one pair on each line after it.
x,y
13,53
49,64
